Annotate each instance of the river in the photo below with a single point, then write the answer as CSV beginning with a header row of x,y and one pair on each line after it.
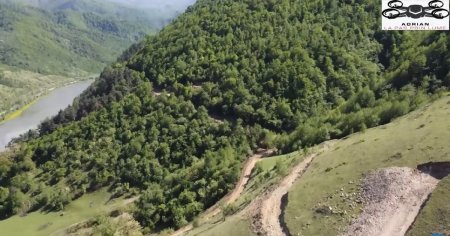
x,y
43,108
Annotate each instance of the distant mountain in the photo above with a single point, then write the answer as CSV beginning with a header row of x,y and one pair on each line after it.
x,y
157,4
72,36
169,9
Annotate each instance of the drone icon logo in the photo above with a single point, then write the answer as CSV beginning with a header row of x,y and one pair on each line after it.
x,y
415,11
415,14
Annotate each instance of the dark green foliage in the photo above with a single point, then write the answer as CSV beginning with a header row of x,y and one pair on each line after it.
x,y
271,66
305,70
112,86
421,60
151,143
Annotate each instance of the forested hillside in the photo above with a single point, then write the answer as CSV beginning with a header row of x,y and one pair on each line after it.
x,y
175,117
70,37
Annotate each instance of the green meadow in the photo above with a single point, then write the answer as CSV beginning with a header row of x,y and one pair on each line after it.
x,y
41,223
419,137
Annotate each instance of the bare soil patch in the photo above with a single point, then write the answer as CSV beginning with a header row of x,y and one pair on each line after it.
x,y
392,199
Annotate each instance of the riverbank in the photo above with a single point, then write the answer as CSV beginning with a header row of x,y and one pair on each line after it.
x,y
13,115
45,106
15,112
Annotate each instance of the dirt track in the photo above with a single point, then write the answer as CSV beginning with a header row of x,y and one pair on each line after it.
x,y
233,195
266,211
271,207
393,198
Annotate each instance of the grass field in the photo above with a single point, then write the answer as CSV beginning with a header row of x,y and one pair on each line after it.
x,y
420,137
435,216
233,225
54,223
269,163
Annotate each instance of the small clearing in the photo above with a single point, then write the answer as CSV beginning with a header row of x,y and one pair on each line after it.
x,y
42,223
393,198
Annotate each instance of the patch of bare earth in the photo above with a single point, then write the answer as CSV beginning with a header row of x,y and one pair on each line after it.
x,y
266,212
392,199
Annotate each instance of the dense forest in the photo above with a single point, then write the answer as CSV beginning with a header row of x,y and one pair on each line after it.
x,y
174,118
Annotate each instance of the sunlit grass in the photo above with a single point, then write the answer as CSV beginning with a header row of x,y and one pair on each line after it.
x,y
435,216
419,137
54,223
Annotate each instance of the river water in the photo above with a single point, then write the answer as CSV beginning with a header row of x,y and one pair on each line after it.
x,y
45,107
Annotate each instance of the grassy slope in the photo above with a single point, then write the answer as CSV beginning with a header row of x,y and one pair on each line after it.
x,y
233,225
346,164
13,115
419,137
43,223
435,216
269,163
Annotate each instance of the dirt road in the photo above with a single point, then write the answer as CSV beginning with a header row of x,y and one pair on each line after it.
x,y
245,176
271,207
268,209
233,195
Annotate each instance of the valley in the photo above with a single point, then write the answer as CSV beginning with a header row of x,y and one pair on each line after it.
x,y
279,117
45,45
71,38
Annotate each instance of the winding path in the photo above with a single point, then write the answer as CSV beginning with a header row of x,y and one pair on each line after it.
x,y
233,195
245,176
266,211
